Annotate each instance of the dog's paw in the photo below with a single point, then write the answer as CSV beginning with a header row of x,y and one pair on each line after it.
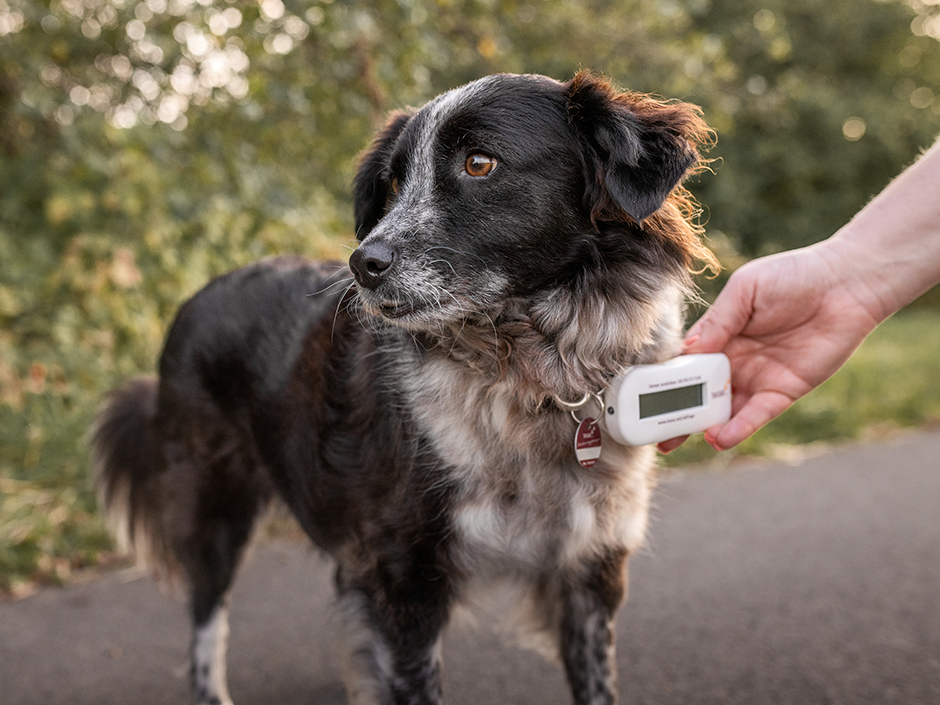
x,y
204,697
214,700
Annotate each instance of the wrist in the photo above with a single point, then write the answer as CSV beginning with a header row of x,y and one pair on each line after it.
x,y
859,271
889,253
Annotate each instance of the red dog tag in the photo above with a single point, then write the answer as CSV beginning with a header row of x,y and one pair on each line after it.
x,y
587,442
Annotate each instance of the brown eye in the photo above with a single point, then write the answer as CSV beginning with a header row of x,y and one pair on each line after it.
x,y
396,187
479,165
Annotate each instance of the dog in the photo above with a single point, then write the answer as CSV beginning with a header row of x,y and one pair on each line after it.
x,y
521,242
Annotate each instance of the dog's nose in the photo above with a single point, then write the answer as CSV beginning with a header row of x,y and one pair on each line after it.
x,y
370,261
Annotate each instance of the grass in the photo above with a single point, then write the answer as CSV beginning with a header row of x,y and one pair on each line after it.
x,y
49,526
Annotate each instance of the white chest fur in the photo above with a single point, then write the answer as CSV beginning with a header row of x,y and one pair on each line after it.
x,y
524,504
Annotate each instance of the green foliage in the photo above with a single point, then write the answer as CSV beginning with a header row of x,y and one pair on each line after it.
x,y
148,145
816,112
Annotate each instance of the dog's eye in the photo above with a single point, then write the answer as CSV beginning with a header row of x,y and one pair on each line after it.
x,y
479,165
396,187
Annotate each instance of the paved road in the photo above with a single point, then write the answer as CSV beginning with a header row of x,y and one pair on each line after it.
x,y
771,584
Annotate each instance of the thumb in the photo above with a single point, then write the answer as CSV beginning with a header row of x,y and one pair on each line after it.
x,y
757,411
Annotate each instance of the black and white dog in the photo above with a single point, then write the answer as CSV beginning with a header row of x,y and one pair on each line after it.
x,y
522,241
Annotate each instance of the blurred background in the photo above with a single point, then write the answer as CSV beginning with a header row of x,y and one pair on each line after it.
x,y
146,146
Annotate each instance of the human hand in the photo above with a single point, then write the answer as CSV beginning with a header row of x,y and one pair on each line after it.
x,y
787,323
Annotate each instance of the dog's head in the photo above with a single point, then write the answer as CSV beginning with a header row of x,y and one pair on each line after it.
x,y
514,184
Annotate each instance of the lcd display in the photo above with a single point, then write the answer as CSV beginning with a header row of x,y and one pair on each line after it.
x,y
671,400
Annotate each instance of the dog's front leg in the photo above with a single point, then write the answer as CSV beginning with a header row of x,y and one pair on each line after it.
x,y
392,651
589,604
210,641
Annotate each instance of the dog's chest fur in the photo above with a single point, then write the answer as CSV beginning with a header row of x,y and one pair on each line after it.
x,y
523,505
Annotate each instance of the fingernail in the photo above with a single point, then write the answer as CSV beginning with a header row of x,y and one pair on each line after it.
x,y
713,442
689,342
695,329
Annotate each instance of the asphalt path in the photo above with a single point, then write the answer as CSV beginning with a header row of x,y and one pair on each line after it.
x,y
764,583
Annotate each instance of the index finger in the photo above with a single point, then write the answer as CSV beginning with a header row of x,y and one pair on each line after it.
x,y
724,319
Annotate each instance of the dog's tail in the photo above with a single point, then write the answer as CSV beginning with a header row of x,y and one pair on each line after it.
x,y
127,466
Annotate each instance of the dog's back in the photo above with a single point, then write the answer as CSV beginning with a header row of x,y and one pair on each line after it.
x,y
245,329
229,353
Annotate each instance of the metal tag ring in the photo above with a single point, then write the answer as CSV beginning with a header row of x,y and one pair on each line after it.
x,y
600,408
573,408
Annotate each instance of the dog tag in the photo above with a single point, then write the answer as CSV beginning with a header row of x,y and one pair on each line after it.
x,y
587,442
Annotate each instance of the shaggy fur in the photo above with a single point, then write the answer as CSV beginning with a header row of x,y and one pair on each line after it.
x,y
407,418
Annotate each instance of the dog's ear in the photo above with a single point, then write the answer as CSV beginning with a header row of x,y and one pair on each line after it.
x,y
637,148
372,186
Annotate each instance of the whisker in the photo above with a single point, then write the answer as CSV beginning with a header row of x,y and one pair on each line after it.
x,y
336,283
459,252
463,324
353,246
433,261
339,303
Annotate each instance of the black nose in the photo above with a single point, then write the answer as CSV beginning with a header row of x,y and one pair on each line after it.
x,y
370,262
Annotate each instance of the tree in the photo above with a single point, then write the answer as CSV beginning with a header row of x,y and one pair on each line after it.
x,y
816,111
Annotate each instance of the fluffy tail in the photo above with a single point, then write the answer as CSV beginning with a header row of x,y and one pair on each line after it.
x,y
127,466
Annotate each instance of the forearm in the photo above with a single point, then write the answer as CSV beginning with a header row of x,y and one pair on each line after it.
x,y
889,253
